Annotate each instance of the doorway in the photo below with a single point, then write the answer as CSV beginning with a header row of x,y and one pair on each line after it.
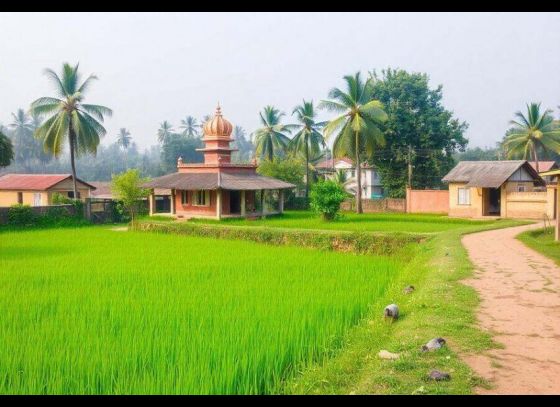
x,y
492,201
234,202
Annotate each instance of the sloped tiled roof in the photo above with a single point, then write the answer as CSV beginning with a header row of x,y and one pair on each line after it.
x,y
488,174
211,181
544,165
34,182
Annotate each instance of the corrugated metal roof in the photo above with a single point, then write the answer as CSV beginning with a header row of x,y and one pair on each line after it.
x,y
488,174
211,181
34,182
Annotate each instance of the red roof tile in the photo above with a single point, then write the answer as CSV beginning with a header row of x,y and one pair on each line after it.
x,y
544,165
33,182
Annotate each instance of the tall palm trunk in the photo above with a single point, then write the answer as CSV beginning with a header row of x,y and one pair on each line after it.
x,y
72,142
536,158
358,176
306,169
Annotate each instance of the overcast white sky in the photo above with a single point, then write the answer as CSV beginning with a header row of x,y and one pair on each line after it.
x,y
157,66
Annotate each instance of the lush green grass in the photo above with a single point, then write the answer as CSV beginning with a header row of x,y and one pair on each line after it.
x,y
440,306
95,311
367,222
542,240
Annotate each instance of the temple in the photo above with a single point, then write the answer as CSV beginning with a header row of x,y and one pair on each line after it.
x,y
217,188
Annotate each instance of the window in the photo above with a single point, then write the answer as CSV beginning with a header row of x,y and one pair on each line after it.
x,y
464,196
184,197
201,198
20,198
520,188
37,199
71,194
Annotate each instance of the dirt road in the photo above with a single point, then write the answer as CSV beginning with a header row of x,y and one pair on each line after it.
x,y
520,293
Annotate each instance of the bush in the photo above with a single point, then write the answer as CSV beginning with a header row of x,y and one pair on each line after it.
x,y
326,197
21,215
59,199
342,241
299,203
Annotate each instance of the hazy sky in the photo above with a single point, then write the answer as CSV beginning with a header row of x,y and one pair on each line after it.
x,y
157,66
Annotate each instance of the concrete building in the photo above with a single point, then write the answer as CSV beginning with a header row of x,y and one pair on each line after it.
x,y
508,189
38,189
371,181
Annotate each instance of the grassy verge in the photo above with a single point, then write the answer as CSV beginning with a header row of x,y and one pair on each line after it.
x,y
542,241
331,240
440,306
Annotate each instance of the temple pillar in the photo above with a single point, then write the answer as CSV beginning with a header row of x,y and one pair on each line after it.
x,y
172,206
152,203
281,200
219,204
263,203
243,210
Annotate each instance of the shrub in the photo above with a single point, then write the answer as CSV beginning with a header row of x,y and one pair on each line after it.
x,y
341,241
299,203
21,215
59,199
326,197
127,187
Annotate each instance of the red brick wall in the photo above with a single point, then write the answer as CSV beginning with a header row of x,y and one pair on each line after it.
x,y
427,201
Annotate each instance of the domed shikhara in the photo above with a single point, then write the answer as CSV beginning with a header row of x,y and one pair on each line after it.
x,y
218,126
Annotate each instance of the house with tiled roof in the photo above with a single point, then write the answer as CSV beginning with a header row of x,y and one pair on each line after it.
x,y
38,189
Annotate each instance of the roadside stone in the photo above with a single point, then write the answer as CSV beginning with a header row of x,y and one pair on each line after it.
x,y
385,354
391,311
439,376
409,289
433,344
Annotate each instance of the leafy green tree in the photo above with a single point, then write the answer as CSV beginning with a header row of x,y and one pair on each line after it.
x,y
418,129
271,139
6,150
165,131
27,149
326,197
532,132
308,139
177,145
356,129
190,126
69,120
289,169
127,187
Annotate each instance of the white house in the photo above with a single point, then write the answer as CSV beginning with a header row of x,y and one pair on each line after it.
x,y
371,181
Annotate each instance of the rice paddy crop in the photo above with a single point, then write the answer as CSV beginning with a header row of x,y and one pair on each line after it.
x,y
94,311
366,222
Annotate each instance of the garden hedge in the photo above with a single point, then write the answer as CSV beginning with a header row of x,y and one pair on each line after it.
x,y
342,241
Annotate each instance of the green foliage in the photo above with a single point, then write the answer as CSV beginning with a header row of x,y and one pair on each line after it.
x,y
124,138
67,119
244,146
290,169
59,199
271,140
178,145
127,188
479,154
326,197
542,240
532,133
6,151
21,215
190,127
357,128
352,242
416,119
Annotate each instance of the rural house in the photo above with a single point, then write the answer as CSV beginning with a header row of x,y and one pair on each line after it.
x,y
545,166
38,189
371,181
218,188
508,189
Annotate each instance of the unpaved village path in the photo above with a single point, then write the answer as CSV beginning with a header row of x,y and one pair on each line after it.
x,y
520,293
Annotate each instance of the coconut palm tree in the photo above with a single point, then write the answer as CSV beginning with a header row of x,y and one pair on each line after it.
x,y
357,129
205,118
22,133
190,126
271,138
165,131
308,140
532,132
6,150
124,138
68,119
